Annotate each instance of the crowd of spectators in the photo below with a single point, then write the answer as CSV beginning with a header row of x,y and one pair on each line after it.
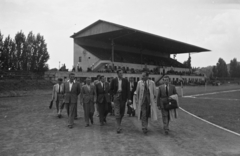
x,y
172,72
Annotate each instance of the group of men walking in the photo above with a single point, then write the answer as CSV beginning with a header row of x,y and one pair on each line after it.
x,y
119,93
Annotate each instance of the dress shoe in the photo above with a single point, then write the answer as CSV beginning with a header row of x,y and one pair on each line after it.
x,y
75,118
101,124
145,130
104,120
70,126
166,132
92,122
59,115
87,125
118,130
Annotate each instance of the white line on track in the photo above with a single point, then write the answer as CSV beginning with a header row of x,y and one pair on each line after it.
x,y
194,96
212,98
210,123
228,91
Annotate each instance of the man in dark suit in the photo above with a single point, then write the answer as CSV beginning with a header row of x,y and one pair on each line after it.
x,y
103,98
121,93
87,99
164,91
132,86
71,91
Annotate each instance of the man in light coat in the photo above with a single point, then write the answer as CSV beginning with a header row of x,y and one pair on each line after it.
x,y
146,104
88,98
57,96
164,92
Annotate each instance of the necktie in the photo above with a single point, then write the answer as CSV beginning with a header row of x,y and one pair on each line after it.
x,y
103,87
166,90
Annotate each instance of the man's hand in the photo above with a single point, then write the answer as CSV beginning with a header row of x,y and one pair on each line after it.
x,y
130,101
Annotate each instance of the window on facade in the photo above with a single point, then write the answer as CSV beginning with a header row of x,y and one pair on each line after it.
x,y
80,59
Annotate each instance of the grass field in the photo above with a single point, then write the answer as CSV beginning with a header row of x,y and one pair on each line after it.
x,y
221,108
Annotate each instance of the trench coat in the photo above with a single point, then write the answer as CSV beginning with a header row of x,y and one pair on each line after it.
x,y
139,98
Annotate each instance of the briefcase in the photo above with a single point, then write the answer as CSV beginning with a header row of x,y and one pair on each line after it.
x,y
51,103
170,104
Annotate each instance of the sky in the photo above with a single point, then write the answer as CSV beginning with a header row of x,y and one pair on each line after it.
x,y
211,24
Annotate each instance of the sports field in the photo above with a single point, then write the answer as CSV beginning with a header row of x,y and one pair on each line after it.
x,y
29,128
217,104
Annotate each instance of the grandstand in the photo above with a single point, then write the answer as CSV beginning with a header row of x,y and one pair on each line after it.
x,y
105,47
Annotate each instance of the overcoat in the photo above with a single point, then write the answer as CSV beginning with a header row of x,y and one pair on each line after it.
x,y
139,98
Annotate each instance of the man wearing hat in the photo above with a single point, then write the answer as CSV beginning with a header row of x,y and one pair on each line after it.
x,y
57,96
87,99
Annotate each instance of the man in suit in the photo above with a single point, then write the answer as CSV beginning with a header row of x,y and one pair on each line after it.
x,y
164,91
71,91
121,93
103,98
95,83
132,86
57,96
87,99
146,105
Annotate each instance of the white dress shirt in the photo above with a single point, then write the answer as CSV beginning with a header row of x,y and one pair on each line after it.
x,y
119,84
70,86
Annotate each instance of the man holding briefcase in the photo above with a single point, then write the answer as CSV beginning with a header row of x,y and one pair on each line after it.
x,y
164,101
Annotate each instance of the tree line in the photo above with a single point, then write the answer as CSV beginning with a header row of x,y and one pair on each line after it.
x,y
24,53
220,70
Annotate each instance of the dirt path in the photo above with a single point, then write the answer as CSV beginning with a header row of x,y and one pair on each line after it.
x,y
28,127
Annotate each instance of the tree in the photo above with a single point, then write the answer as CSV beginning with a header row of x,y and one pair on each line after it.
x,y
234,68
222,70
1,51
214,71
20,41
188,62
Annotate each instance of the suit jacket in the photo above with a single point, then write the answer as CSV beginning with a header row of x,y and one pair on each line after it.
x,y
139,96
55,94
103,93
71,96
87,95
125,88
162,95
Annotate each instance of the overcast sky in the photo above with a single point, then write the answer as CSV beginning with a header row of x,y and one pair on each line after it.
x,y
211,24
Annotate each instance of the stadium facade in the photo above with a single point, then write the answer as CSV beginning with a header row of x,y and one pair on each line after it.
x,y
104,47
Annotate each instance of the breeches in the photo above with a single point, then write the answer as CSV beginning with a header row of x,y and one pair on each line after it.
x,y
88,111
59,105
71,111
102,108
145,113
165,119
119,106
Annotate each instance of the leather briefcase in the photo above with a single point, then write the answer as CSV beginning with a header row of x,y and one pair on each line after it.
x,y
170,104
50,105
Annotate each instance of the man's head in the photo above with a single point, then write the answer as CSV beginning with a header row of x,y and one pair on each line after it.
x,y
60,80
88,80
131,79
120,73
102,78
145,76
98,77
71,77
166,80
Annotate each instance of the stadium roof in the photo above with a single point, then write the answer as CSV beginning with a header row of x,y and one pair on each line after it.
x,y
106,31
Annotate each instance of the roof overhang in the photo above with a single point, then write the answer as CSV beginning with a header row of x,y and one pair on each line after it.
x,y
107,32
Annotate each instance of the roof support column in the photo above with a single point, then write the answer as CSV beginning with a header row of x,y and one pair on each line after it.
x,y
112,53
